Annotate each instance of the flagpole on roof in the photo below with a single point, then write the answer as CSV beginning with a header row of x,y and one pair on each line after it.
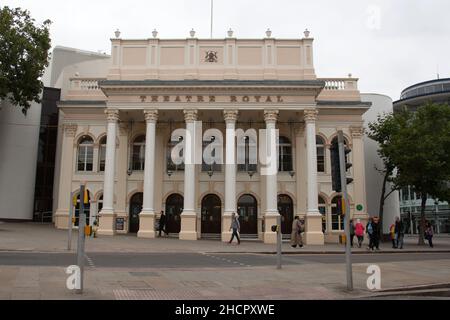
x,y
212,7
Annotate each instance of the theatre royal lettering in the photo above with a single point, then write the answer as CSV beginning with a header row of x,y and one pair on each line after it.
x,y
213,98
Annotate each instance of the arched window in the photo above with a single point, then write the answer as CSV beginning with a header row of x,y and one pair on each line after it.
x,y
335,140
215,167
172,166
320,144
337,221
138,153
284,154
85,154
102,154
323,211
249,159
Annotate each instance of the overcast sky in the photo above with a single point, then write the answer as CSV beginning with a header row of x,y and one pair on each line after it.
x,y
387,44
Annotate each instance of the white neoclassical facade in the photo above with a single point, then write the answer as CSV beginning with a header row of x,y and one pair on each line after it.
x,y
119,128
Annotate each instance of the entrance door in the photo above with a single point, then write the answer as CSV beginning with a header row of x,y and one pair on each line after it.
x,y
248,214
87,210
135,209
286,210
174,207
211,214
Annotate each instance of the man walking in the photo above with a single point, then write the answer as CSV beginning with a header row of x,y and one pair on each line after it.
x,y
236,227
162,224
399,232
296,235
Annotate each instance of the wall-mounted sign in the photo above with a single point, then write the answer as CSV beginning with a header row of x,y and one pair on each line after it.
x,y
359,207
120,223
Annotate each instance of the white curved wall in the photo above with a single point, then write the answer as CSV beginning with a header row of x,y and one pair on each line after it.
x,y
19,136
374,180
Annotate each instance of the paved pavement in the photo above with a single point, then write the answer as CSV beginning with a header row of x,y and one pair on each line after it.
x,y
33,259
44,237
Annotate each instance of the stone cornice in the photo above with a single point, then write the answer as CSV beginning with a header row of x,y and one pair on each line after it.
x,y
357,131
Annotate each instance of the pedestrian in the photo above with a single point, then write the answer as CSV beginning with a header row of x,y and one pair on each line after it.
x,y
162,224
429,234
352,232
236,227
399,232
369,231
376,233
296,235
392,235
359,232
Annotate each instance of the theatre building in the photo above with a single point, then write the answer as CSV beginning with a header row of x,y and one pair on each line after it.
x,y
119,133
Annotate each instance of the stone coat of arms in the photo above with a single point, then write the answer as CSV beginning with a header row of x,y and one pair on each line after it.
x,y
211,56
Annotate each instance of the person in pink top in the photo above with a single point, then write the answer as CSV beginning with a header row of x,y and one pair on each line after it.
x,y
359,232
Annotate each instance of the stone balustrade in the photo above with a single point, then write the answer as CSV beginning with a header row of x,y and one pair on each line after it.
x,y
340,84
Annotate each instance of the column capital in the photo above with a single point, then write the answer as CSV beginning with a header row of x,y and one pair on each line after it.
x,y
190,115
112,115
357,131
270,116
310,115
151,115
70,129
230,116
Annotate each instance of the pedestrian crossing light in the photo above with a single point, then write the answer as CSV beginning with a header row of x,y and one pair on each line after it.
x,y
86,197
335,166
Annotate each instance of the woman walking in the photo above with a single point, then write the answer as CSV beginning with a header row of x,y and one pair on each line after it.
x,y
359,232
429,234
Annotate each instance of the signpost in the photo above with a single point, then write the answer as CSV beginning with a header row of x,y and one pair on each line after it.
x,y
277,228
81,236
346,209
70,223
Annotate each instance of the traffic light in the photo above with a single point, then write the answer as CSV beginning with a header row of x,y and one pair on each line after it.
x,y
335,166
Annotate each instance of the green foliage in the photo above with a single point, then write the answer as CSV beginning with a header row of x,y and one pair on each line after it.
x,y
421,151
24,48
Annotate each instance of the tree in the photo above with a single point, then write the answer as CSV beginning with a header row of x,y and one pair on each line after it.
x,y
416,145
383,131
420,151
24,54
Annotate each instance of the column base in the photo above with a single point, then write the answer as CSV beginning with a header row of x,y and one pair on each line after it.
x,y
313,229
226,223
146,225
188,226
270,220
107,223
62,219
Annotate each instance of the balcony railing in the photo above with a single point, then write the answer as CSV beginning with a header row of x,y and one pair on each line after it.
x,y
340,84
85,84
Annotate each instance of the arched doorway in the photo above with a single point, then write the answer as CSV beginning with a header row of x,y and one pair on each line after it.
x,y
211,214
174,207
135,209
87,210
248,214
286,210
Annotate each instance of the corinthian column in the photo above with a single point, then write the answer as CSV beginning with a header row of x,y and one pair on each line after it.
x,y
230,117
107,224
313,230
147,216
271,174
189,215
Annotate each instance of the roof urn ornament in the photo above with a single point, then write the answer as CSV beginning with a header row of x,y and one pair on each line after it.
x,y
268,33
154,33
192,33
117,33
230,33
306,33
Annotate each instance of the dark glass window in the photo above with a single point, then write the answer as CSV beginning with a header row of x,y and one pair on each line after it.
x,y
215,167
320,145
171,166
284,154
102,154
85,154
249,161
138,154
